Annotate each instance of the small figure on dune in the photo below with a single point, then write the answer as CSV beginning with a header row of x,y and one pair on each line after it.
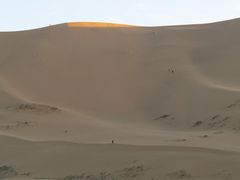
x,y
171,70
112,141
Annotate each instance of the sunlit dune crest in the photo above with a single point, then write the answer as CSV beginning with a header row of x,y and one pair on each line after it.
x,y
96,24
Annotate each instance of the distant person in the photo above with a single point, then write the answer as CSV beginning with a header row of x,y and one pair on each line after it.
x,y
171,70
112,141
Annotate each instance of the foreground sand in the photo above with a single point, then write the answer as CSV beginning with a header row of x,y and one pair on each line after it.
x,y
168,97
56,160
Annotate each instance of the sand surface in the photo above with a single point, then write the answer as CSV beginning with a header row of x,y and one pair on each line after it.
x,y
167,96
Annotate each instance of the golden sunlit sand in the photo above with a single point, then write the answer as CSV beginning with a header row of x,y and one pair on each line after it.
x,y
96,24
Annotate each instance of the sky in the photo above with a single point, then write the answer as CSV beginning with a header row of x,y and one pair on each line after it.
x,y
29,14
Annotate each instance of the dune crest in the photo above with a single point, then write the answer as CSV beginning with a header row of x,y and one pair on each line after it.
x,y
96,24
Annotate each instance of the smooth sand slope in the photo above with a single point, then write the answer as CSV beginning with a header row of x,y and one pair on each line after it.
x,y
170,93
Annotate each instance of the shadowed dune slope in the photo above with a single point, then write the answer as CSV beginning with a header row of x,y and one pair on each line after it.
x,y
126,74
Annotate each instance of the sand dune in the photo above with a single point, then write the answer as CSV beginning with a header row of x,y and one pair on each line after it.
x,y
166,90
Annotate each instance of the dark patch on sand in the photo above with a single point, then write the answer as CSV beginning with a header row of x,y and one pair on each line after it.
x,y
7,172
33,108
162,117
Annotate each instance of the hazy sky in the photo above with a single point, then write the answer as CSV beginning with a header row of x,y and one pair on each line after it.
x,y
28,14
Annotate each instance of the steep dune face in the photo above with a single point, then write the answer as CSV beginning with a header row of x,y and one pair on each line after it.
x,y
134,74
217,56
